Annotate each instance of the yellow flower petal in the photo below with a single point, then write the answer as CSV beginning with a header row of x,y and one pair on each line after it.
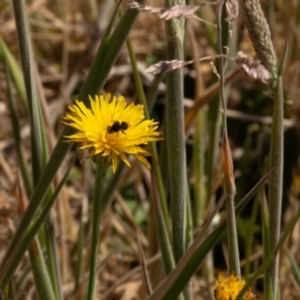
x,y
229,288
112,128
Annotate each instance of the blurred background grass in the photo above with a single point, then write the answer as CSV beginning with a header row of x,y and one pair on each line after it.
x,y
65,36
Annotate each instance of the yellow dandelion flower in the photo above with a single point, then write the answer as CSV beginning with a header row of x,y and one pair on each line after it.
x,y
112,128
229,288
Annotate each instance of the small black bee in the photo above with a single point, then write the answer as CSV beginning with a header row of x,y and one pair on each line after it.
x,y
117,126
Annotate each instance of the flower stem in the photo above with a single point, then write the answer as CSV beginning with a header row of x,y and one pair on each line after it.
x,y
234,262
229,184
175,135
94,82
101,170
275,182
153,149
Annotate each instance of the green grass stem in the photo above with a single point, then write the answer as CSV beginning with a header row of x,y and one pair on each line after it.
x,y
15,72
184,270
276,176
161,208
276,179
155,162
17,138
111,187
79,251
175,134
11,291
94,83
294,264
98,196
27,60
38,145
52,258
151,95
41,275
163,237
229,184
199,167
271,257
13,261
249,238
189,218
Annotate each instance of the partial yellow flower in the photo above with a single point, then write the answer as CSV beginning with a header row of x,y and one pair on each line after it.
x,y
112,128
229,288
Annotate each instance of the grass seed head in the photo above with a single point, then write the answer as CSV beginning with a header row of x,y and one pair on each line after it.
x,y
260,35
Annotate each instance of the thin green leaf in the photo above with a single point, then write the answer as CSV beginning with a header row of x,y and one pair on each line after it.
x,y
98,196
175,133
189,263
29,235
283,59
17,138
270,259
156,166
266,238
199,166
52,257
93,84
145,274
15,71
189,218
11,293
80,248
276,179
248,237
163,237
39,155
37,142
41,275
294,264
111,186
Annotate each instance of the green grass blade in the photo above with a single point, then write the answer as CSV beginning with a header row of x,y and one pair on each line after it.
x,y
151,95
270,259
107,55
37,142
16,133
266,238
15,71
249,235
180,276
30,234
276,179
38,146
11,293
163,237
52,257
93,84
111,186
142,100
188,293
175,133
41,275
294,264
160,203
80,250
98,196
189,218
282,63
198,164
